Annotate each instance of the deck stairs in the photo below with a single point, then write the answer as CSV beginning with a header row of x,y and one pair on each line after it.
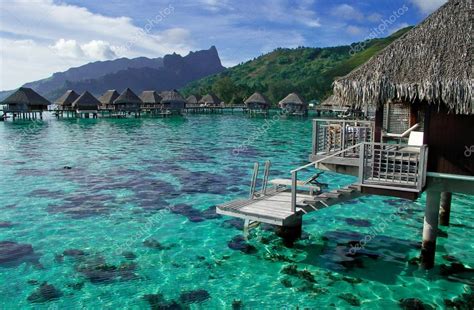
x,y
273,205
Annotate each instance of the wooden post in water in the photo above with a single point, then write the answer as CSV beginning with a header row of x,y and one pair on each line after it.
x,y
430,229
445,208
291,231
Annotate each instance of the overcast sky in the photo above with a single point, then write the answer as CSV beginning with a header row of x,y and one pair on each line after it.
x,y
40,37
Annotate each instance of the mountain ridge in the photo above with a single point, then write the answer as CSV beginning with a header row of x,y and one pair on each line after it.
x,y
141,72
306,70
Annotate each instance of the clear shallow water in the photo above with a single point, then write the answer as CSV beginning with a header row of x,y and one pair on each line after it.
x,y
148,186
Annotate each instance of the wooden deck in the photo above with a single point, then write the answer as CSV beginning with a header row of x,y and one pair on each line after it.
x,y
274,207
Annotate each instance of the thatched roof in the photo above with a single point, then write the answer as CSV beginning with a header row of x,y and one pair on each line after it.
x,y
193,99
171,96
257,98
432,62
333,101
150,97
86,101
67,99
26,96
293,98
109,97
128,96
210,99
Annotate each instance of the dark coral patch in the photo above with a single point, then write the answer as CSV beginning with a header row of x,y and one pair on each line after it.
x,y
158,302
358,222
46,193
155,244
84,205
350,299
413,304
74,253
196,296
46,292
234,223
6,224
239,243
210,213
129,255
188,211
98,271
13,254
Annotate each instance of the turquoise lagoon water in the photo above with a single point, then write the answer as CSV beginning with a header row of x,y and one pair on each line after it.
x,y
131,224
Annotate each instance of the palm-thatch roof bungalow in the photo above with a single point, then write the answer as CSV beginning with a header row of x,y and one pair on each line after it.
x,y
193,100
107,99
173,101
294,104
128,101
425,79
210,100
150,99
25,100
85,104
257,103
25,103
64,102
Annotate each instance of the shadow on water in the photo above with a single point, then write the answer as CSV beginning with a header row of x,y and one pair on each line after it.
x,y
340,253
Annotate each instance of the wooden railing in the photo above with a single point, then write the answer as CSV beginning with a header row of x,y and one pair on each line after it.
x,y
381,165
333,135
393,166
294,173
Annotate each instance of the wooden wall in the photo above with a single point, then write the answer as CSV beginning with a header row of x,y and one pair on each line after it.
x,y
447,136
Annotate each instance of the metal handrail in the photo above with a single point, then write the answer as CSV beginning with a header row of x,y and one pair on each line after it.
x,y
367,164
326,158
294,173
421,158
347,133
404,134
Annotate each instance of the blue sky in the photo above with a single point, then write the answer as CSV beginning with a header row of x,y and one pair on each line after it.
x,y
39,37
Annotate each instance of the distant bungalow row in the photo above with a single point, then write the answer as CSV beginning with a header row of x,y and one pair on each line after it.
x,y
25,103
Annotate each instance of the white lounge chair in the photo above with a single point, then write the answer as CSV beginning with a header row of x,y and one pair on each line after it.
x,y
415,140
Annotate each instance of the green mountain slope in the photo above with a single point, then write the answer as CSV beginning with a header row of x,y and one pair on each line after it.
x,y
309,71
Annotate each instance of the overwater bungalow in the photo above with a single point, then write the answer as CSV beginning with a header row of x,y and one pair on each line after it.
x,y
331,107
193,100
107,100
257,104
151,101
25,103
86,105
210,100
294,104
172,102
127,103
423,80
64,103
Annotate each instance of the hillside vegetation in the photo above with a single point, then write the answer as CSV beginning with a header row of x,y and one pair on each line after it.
x,y
308,71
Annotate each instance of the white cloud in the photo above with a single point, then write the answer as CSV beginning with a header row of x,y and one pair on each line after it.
x,y
354,30
345,11
428,6
216,5
77,36
98,49
375,17
67,48
26,59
